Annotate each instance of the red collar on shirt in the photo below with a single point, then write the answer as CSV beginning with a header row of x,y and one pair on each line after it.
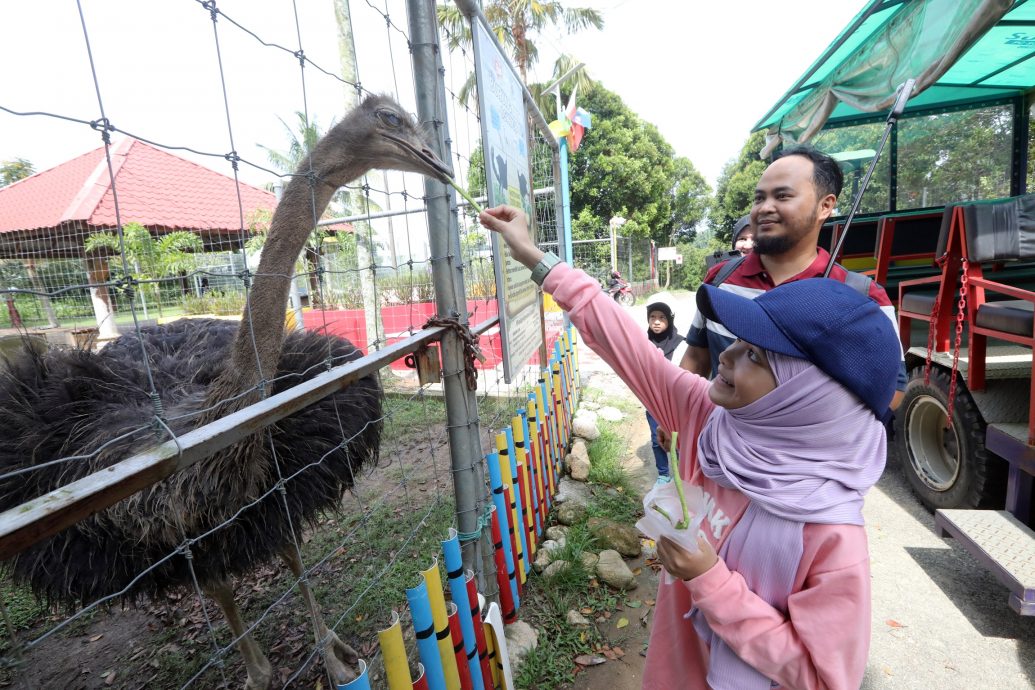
x,y
752,267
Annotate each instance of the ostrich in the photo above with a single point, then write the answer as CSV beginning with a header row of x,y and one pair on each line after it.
x,y
72,402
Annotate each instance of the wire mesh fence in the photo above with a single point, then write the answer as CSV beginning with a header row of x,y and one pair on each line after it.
x,y
291,541
634,258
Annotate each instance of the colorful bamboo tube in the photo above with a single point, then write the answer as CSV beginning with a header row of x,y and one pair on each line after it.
x,y
505,580
458,593
524,495
515,547
546,437
479,629
393,652
422,678
424,627
494,661
509,471
555,429
532,436
433,580
361,682
523,488
544,457
501,502
562,411
517,423
456,636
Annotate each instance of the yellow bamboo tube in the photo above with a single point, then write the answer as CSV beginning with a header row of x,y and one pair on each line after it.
x,y
517,427
393,652
494,662
433,581
508,481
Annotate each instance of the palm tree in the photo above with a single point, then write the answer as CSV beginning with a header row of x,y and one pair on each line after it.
x,y
516,22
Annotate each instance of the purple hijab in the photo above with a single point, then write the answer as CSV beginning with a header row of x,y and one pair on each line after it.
x,y
808,451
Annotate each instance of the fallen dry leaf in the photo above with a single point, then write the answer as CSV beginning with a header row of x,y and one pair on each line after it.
x,y
893,623
589,660
622,622
96,637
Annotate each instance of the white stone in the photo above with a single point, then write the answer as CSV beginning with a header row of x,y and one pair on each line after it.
x,y
522,638
588,415
612,570
577,619
558,533
584,428
611,414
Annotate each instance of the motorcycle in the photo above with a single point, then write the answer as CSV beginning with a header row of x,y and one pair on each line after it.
x,y
622,293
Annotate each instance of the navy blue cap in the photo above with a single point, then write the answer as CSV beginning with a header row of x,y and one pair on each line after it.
x,y
830,324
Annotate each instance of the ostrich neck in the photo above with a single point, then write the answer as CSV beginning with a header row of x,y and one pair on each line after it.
x,y
257,346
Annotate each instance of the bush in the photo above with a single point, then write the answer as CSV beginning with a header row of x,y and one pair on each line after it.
x,y
214,302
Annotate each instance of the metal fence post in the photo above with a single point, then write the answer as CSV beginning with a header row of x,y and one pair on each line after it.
x,y
447,276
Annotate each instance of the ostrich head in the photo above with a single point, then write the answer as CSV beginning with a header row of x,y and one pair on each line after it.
x,y
376,134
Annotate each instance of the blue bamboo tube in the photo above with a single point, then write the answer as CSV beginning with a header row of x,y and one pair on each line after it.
x,y
458,593
362,682
440,617
424,627
503,513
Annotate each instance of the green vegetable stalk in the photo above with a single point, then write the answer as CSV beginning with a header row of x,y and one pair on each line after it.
x,y
678,479
465,195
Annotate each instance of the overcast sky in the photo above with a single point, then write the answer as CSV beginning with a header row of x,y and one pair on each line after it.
x,y
704,73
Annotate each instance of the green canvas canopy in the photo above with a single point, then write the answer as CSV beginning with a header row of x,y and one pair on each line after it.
x,y
959,51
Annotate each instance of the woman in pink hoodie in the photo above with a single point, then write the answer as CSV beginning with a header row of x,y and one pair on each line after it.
x,y
787,440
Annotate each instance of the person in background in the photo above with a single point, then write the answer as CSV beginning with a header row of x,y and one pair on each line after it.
x,y
796,194
743,235
661,330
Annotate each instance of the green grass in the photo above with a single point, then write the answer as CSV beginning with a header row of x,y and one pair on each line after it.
x,y
547,601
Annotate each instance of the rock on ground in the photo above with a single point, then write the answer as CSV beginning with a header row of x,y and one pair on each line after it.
x,y
612,570
624,539
584,428
522,638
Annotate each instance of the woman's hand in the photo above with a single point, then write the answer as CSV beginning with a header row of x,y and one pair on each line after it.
x,y
512,226
685,565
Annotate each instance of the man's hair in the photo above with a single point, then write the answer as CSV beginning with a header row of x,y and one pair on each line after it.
x,y
826,173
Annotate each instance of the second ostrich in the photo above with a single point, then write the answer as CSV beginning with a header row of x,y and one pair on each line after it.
x,y
68,402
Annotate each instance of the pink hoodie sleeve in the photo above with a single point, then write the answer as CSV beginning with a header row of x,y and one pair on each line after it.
x,y
668,392
823,641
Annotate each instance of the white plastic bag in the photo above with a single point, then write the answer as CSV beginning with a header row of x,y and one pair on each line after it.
x,y
655,525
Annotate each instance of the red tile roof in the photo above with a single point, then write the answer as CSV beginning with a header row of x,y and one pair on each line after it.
x,y
155,188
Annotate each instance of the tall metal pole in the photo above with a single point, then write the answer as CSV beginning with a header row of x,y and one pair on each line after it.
x,y
447,277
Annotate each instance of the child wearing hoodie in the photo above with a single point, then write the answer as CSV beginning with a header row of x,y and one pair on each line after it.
x,y
661,330
784,443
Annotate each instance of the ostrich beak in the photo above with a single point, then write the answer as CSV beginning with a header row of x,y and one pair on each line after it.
x,y
425,156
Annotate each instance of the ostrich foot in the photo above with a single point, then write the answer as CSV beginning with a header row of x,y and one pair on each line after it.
x,y
341,660
260,676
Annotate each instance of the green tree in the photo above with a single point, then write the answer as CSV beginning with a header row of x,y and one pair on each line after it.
x,y
13,170
148,258
735,189
517,23
626,168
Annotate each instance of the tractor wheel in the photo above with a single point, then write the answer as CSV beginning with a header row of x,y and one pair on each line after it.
x,y
946,468
626,299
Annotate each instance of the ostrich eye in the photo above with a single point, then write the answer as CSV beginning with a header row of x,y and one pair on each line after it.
x,y
389,118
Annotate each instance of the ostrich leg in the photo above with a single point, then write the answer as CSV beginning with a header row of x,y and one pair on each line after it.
x,y
260,673
338,657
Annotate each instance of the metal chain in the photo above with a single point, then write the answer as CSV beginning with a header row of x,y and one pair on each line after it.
x,y
932,325
960,315
471,350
